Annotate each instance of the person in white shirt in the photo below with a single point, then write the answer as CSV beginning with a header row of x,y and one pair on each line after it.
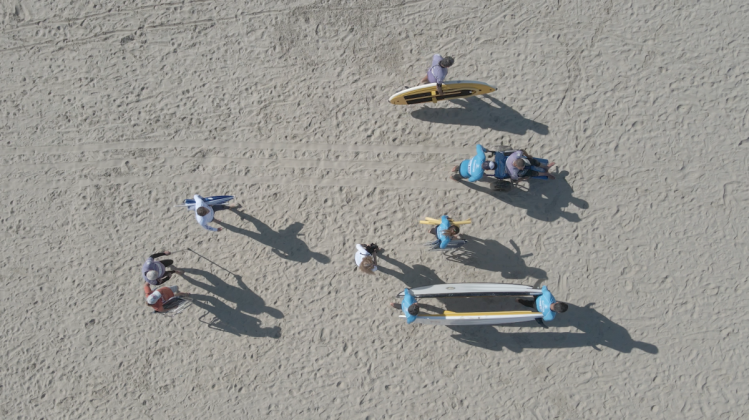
x,y
204,213
366,257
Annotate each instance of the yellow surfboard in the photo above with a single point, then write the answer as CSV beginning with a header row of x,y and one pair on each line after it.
x,y
433,221
450,90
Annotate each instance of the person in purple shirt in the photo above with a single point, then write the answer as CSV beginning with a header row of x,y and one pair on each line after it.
x,y
519,166
437,72
154,272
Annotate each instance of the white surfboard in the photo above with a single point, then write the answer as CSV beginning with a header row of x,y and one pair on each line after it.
x,y
473,289
477,318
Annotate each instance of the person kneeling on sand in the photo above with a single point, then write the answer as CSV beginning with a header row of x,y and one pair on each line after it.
x,y
159,297
519,166
437,72
204,213
546,304
366,257
154,272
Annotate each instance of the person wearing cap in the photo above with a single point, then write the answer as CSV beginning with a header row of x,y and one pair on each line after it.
x,y
154,272
519,165
408,305
366,257
473,168
204,213
157,298
437,72
546,304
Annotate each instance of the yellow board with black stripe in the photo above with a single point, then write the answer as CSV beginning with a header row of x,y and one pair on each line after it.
x,y
450,90
433,221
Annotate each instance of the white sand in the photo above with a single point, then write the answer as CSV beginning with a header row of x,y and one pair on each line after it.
x,y
112,113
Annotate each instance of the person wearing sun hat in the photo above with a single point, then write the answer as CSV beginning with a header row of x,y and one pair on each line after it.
x,y
154,272
157,298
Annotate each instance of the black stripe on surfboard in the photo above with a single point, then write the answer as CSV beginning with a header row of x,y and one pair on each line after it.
x,y
427,97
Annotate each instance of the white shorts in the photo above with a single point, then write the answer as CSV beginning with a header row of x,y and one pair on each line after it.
x,y
175,289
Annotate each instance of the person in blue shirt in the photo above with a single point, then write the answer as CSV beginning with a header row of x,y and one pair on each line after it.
x,y
473,168
408,305
546,304
447,235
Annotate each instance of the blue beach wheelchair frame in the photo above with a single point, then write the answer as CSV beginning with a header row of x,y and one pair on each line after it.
x,y
504,183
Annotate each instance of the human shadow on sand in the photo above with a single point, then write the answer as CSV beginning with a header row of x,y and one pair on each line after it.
x,y
412,277
416,276
237,320
475,111
285,243
542,200
595,330
490,255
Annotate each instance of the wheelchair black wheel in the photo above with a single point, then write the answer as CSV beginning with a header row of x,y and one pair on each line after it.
x,y
501,186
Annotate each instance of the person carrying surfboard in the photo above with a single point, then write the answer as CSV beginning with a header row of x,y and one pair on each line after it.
x,y
437,72
447,234
546,304
408,305
204,213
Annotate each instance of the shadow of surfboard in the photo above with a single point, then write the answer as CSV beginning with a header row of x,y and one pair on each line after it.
x,y
595,330
475,111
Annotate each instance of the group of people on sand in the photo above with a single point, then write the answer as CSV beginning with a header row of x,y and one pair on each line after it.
x,y
155,273
519,165
366,261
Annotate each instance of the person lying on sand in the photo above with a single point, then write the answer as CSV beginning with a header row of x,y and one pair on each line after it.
x,y
204,213
157,298
437,72
366,257
546,304
154,272
519,166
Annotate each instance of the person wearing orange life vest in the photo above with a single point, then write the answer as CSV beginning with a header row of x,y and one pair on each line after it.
x,y
157,298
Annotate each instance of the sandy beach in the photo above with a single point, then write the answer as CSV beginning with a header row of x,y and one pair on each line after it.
x,y
115,112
